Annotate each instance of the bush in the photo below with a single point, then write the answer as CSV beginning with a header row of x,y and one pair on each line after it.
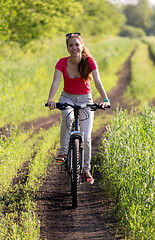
x,y
132,32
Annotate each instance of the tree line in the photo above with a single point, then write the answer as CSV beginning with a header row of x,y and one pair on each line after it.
x,y
140,18
24,20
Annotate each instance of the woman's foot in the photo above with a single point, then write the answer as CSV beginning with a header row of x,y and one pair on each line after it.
x,y
61,157
88,177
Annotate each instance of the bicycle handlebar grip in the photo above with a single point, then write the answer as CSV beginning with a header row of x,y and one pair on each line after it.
x,y
58,105
108,106
46,104
100,107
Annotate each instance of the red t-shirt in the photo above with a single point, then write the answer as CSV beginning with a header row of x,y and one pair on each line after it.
x,y
75,85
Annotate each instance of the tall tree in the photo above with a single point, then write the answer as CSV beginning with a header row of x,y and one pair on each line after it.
x,y
99,17
24,20
139,15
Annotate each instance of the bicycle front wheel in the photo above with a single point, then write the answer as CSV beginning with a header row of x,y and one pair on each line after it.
x,y
75,174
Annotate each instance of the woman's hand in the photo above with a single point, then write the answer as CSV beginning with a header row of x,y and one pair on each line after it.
x,y
105,104
51,104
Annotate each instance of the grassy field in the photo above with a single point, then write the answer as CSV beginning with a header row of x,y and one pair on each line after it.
x,y
150,42
142,88
25,79
18,188
26,75
129,170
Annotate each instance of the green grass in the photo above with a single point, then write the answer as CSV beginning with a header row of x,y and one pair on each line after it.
x,y
110,55
17,209
25,80
26,74
142,87
151,43
129,170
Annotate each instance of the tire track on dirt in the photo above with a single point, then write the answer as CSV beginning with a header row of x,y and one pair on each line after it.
x,y
93,219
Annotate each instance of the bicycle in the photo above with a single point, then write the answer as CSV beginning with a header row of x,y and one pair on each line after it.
x,y
75,157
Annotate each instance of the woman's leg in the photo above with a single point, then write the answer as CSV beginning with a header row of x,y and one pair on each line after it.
x,y
86,124
67,119
86,127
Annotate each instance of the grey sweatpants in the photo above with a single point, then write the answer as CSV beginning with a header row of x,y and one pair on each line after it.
x,y
86,124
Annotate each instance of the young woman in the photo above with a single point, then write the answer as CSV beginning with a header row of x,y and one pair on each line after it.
x,y
77,69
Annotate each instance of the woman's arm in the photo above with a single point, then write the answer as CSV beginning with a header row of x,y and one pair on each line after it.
x,y
100,87
54,88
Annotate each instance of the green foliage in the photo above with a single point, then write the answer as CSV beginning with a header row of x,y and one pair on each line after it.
x,y
99,18
131,32
22,21
151,30
139,15
129,170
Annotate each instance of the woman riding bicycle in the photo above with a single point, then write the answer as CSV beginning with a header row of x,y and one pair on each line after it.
x,y
77,69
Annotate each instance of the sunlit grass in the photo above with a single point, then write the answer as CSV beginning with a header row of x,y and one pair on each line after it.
x,y
26,74
151,43
142,87
129,170
110,55
17,209
26,77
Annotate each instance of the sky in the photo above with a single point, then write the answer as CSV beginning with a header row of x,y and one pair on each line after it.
x,y
131,1
152,2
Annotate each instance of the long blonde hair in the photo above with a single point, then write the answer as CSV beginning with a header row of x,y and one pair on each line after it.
x,y
83,65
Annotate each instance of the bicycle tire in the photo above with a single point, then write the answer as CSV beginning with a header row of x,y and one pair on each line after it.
x,y
75,174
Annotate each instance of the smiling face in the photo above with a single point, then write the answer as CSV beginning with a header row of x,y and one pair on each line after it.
x,y
74,47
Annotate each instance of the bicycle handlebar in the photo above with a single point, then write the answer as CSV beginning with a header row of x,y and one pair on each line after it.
x,y
63,106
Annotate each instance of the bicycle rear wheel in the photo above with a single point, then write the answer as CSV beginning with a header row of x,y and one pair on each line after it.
x,y
75,173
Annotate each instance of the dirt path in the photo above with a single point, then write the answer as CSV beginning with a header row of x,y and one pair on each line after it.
x,y
94,218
